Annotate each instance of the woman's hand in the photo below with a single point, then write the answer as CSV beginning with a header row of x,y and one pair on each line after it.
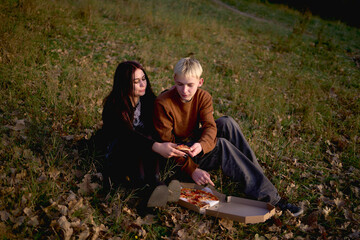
x,y
167,150
201,177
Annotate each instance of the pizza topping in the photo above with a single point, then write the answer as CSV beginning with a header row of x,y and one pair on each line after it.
x,y
183,147
198,197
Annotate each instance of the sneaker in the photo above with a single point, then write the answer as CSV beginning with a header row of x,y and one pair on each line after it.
x,y
294,210
158,197
174,191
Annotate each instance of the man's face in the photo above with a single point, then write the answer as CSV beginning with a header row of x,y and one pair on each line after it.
x,y
187,86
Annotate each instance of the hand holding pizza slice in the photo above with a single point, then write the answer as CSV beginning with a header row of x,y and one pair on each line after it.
x,y
194,150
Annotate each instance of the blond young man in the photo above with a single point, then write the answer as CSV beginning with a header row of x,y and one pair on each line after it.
x,y
184,114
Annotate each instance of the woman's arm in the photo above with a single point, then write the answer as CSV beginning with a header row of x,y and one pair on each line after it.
x,y
167,149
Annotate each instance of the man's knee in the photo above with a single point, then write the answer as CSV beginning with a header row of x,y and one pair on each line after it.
x,y
225,126
224,121
223,143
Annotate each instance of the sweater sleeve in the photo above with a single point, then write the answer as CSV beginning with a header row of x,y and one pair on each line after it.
x,y
209,130
187,164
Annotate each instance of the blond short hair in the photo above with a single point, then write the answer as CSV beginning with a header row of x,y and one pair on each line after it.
x,y
188,67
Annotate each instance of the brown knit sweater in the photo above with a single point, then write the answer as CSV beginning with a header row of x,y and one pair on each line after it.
x,y
180,122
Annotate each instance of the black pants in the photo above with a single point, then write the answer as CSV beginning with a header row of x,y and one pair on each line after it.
x,y
237,161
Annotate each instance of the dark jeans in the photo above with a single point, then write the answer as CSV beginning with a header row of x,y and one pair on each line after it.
x,y
234,155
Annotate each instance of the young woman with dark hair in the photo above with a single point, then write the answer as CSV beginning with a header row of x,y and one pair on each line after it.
x,y
132,153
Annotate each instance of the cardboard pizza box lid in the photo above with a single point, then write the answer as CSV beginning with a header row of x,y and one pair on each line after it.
x,y
233,208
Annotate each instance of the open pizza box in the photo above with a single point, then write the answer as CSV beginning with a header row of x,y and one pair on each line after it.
x,y
230,207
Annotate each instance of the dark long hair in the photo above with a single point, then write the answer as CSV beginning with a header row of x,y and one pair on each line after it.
x,y
123,88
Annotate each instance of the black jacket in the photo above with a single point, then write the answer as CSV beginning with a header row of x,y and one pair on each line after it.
x,y
130,141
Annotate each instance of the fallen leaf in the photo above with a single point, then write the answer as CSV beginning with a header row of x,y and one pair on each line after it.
x,y
4,215
54,173
71,197
75,205
19,125
69,137
355,235
129,211
97,230
76,224
42,178
304,227
320,187
142,232
338,202
48,208
345,225
348,214
84,234
274,228
258,237
27,154
148,220
326,211
86,186
28,212
289,235
106,208
183,235
65,226
19,221
327,200
34,221
63,210
226,224
202,229
355,190
269,236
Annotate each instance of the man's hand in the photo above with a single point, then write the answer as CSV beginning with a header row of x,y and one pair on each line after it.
x,y
201,177
167,150
195,149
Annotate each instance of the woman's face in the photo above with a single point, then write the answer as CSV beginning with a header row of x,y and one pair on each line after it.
x,y
139,82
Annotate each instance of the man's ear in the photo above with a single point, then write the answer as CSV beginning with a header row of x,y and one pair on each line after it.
x,y
201,82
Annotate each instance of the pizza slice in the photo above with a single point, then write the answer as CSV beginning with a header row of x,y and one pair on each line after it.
x,y
183,147
199,198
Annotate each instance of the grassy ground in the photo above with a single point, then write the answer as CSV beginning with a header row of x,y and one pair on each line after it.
x,y
293,87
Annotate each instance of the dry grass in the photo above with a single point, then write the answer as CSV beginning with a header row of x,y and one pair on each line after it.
x,y
295,95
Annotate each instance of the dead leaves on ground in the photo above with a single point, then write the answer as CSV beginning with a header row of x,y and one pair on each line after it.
x,y
74,217
72,211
